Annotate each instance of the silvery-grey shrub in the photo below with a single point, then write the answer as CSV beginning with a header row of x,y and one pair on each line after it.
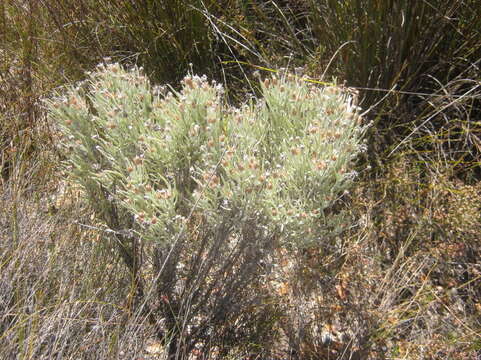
x,y
198,192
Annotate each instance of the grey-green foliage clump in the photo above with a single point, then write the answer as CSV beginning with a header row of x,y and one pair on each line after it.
x,y
162,155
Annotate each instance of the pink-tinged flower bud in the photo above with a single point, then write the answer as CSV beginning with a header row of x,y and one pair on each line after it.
x,y
137,160
189,82
313,129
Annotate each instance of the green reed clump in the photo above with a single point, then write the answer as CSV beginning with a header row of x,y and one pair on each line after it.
x,y
197,192
416,64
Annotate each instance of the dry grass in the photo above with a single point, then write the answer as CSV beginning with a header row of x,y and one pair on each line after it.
x,y
402,284
60,286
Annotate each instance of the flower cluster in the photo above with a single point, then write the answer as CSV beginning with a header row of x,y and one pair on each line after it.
x,y
283,159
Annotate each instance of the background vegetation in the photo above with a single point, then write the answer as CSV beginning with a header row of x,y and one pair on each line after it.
x,y
404,282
